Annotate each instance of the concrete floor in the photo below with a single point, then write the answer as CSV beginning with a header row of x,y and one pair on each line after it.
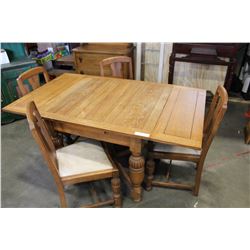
x,y
26,181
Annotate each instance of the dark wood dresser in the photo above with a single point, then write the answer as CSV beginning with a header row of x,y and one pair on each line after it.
x,y
205,53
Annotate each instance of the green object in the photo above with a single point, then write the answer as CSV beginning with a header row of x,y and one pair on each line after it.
x,y
47,58
52,56
15,51
60,54
9,74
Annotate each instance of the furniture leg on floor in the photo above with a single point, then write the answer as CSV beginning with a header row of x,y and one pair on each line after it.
x,y
213,119
136,168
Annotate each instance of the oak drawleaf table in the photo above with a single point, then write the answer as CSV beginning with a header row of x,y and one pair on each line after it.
x,y
119,111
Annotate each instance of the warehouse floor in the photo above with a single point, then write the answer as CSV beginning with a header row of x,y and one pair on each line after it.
x,y
26,181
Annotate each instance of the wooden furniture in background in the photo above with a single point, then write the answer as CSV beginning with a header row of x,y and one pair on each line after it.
x,y
62,65
123,112
205,53
32,76
80,162
117,65
65,61
160,151
88,56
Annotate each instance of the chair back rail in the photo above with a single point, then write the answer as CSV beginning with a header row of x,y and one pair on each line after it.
x,y
214,117
32,76
116,65
42,135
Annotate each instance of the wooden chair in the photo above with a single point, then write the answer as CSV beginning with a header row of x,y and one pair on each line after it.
x,y
213,119
84,161
32,76
116,66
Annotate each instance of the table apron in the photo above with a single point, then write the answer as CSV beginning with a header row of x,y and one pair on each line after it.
x,y
93,133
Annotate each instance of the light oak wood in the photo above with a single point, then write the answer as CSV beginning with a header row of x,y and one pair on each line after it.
x,y
122,106
116,64
182,117
102,203
213,119
172,185
94,133
121,111
32,76
42,134
88,56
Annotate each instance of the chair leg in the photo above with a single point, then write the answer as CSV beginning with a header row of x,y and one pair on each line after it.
x,y
167,175
198,178
62,197
116,188
63,201
150,168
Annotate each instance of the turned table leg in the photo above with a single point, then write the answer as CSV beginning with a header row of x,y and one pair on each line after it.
x,y
136,169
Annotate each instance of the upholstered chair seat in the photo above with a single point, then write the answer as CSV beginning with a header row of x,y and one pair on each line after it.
x,y
159,147
82,157
82,162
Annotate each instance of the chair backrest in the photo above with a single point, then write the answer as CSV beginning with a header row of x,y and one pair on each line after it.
x,y
42,135
116,66
214,117
32,76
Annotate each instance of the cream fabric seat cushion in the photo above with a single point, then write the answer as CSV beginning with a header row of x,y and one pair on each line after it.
x,y
82,157
175,149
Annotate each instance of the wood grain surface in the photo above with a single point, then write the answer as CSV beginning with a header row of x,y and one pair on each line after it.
x,y
158,112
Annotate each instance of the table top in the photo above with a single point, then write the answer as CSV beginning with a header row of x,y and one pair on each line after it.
x,y
159,112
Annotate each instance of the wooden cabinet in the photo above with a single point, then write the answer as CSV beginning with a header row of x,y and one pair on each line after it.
x,y
9,87
88,56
